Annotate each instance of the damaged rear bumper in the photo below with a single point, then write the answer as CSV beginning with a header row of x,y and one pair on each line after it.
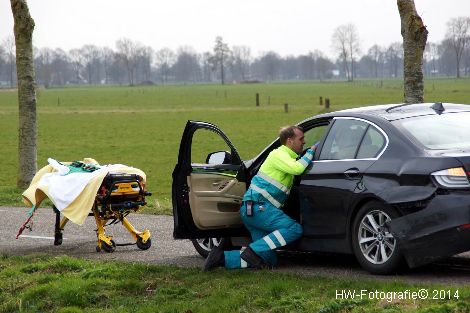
x,y
440,230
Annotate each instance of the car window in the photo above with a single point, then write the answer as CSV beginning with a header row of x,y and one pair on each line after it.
x,y
343,139
445,131
315,134
204,142
371,145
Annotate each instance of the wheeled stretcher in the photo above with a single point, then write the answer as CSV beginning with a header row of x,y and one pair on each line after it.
x,y
79,189
118,195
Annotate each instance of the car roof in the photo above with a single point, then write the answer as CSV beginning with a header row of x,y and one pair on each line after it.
x,y
392,112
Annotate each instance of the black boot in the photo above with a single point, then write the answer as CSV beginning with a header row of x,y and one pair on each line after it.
x,y
215,258
253,259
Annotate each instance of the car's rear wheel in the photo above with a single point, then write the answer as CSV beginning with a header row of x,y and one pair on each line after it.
x,y
204,245
374,246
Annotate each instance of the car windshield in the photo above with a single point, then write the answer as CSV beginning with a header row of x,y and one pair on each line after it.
x,y
445,131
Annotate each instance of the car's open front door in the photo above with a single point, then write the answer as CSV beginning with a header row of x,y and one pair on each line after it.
x,y
206,192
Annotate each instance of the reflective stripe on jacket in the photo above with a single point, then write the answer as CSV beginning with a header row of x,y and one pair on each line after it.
x,y
276,176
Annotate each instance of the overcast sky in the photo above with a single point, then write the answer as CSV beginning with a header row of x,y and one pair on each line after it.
x,y
289,27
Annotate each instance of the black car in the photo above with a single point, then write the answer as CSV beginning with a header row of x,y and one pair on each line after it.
x,y
388,183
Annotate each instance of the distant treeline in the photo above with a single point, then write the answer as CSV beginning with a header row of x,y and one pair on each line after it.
x,y
131,63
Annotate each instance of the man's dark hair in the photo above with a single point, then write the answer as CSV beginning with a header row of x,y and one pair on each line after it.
x,y
287,132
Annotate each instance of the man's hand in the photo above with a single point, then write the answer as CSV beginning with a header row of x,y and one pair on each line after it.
x,y
314,146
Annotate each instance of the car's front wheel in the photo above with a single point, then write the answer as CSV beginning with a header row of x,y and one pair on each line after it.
x,y
204,245
374,246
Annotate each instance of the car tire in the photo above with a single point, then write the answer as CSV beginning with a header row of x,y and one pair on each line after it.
x,y
374,246
204,245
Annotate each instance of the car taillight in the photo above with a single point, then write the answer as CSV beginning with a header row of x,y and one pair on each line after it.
x,y
452,178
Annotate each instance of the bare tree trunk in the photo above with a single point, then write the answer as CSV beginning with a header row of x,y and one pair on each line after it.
x,y
346,67
414,35
222,78
351,57
27,152
12,69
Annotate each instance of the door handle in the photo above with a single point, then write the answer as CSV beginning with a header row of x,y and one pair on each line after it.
x,y
352,173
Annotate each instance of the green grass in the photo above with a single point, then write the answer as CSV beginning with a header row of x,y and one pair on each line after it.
x,y
142,126
39,283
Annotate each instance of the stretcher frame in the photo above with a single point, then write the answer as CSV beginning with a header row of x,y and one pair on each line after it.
x,y
119,195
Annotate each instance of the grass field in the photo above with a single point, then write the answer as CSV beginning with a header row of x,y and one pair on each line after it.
x,y
39,283
142,126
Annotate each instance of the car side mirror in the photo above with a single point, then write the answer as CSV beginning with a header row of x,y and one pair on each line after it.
x,y
219,157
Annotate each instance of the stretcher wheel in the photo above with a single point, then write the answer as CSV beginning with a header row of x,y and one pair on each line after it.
x,y
108,248
143,245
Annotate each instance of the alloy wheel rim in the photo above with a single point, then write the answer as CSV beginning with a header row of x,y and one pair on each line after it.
x,y
208,243
376,242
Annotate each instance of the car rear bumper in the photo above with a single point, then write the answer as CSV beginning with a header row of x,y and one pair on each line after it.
x,y
440,230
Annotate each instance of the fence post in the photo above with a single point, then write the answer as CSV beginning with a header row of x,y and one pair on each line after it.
x,y
257,99
327,103
286,107
321,100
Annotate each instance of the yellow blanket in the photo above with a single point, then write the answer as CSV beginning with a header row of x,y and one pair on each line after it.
x,y
75,203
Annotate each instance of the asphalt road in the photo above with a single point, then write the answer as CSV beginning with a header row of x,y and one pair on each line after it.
x,y
80,241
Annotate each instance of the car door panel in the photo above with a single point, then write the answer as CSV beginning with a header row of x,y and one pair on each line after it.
x,y
206,197
336,176
215,199
329,188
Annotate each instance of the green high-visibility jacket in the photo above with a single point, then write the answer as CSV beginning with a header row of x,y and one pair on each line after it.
x,y
276,176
